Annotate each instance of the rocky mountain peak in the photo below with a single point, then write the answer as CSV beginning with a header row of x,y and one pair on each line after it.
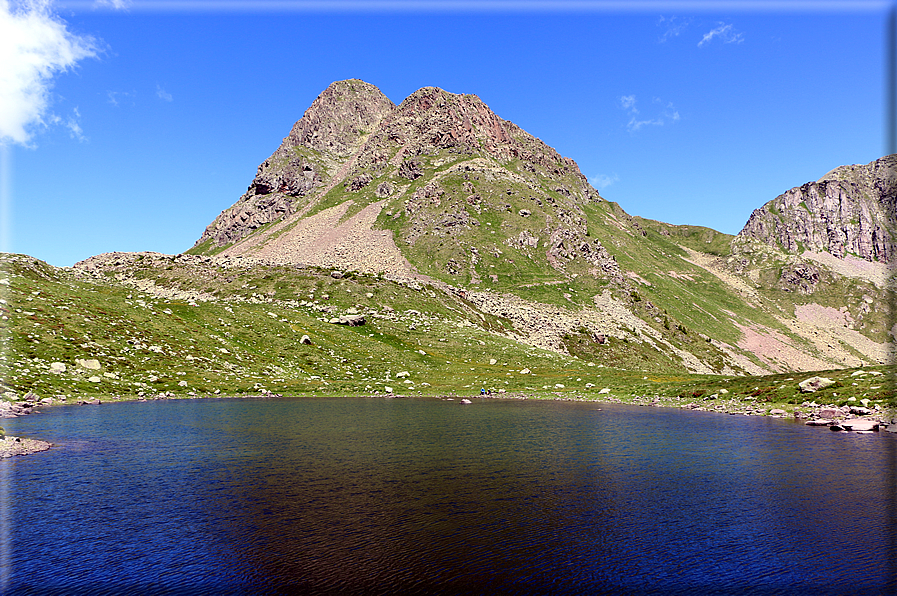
x,y
329,132
352,134
341,114
441,192
431,119
850,210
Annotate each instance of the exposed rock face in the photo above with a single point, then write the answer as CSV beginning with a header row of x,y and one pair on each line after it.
x,y
319,142
850,210
801,277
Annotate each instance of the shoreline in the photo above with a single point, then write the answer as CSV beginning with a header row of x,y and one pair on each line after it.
x,y
809,413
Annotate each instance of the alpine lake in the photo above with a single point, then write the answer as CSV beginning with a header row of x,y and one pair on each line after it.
x,y
431,496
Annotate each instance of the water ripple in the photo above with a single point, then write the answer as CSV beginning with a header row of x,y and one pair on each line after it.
x,y
417,496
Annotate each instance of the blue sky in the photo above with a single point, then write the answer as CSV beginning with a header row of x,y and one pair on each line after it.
x,y
130,125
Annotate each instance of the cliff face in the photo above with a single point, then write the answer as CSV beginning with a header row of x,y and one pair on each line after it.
x,y
850,210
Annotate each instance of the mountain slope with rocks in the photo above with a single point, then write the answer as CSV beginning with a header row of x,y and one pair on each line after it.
x,y
470,213
441,191
318,148
123,326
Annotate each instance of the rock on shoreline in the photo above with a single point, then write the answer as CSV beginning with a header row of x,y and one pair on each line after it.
x,y
10,446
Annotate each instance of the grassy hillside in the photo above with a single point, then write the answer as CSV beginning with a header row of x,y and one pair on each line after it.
x,y
186,327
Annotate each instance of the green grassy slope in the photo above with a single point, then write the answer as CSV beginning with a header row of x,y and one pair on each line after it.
x,y
246,340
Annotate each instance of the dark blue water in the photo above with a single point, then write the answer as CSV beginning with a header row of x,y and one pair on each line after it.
x,y
433,497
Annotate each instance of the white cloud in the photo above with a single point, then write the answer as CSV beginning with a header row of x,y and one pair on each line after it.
x,y
74,125
668,110
602,181
724,32
35,46
667,113
674,26
163,94
635,124
628,103
116,97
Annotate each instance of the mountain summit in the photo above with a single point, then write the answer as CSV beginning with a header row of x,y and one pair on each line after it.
x,y
435,165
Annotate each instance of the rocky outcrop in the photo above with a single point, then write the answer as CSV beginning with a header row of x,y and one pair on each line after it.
x,y
850,210
815,384
12,446
326,135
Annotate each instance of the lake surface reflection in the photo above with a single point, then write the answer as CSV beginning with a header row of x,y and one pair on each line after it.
x,y
432,497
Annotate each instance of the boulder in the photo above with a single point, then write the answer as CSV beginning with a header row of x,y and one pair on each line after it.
x,y
777,412
819,422
861,424
305,340
815,384
830,413
89,364
57,367
860,411
352,320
